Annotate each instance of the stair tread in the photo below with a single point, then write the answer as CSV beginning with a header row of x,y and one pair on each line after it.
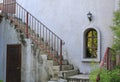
x,y
67,73
45,48
79,76
68,70
52,81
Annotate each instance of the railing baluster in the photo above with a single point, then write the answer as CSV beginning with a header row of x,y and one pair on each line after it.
x,y
27,25
32,28
40,33
60,54
35,29
49,41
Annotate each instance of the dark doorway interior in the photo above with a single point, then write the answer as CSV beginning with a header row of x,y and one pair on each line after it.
x,y
13,64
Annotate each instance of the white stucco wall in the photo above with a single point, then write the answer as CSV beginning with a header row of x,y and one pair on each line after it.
x,y
68,19
1,1
8,36
32,65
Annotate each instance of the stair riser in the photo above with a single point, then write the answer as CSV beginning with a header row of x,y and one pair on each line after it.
x,y
67,67
70,73
64,62
78,80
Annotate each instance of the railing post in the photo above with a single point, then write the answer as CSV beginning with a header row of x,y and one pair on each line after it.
x,y
107,58
60,55
27,25
98,78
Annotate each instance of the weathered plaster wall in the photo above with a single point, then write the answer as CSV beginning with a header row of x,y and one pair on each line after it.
x,y
1,1
32,65
8,36
1,52
68,19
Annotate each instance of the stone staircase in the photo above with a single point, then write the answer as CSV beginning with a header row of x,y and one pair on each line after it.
x,y
78,78
66,71
54,67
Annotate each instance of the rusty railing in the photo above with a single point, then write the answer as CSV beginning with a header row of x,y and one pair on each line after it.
x,y
108,61
34,29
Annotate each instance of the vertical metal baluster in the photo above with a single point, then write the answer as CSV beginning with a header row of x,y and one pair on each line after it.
x,y
58,46
46,42
49,42
60,54
43,38
27,25
32,28
52,46
35,30
19,17
40,33
55,46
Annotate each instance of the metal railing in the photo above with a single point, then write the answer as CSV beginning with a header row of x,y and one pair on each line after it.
x,y
108,61
34,29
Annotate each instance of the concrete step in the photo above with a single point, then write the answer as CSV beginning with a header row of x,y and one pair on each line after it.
x,y
78,78
50,63
50,57
56,68
62,80
59,80
67,67
64,62
67,73
52,81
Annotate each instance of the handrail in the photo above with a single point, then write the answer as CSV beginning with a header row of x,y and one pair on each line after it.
x,y
35,29
104,58
37,20
107,61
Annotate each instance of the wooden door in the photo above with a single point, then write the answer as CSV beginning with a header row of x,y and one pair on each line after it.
x,y
13,64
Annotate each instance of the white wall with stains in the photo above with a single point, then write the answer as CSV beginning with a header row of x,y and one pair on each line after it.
x,y
68,19
8,36
31,62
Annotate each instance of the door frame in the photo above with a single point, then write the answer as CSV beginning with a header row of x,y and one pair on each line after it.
x,y
19,57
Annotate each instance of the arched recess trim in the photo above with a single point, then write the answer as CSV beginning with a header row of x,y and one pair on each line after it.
x,y
91,45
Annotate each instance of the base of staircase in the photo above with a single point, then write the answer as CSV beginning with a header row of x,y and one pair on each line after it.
x,y
59,80
52,81
78,78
